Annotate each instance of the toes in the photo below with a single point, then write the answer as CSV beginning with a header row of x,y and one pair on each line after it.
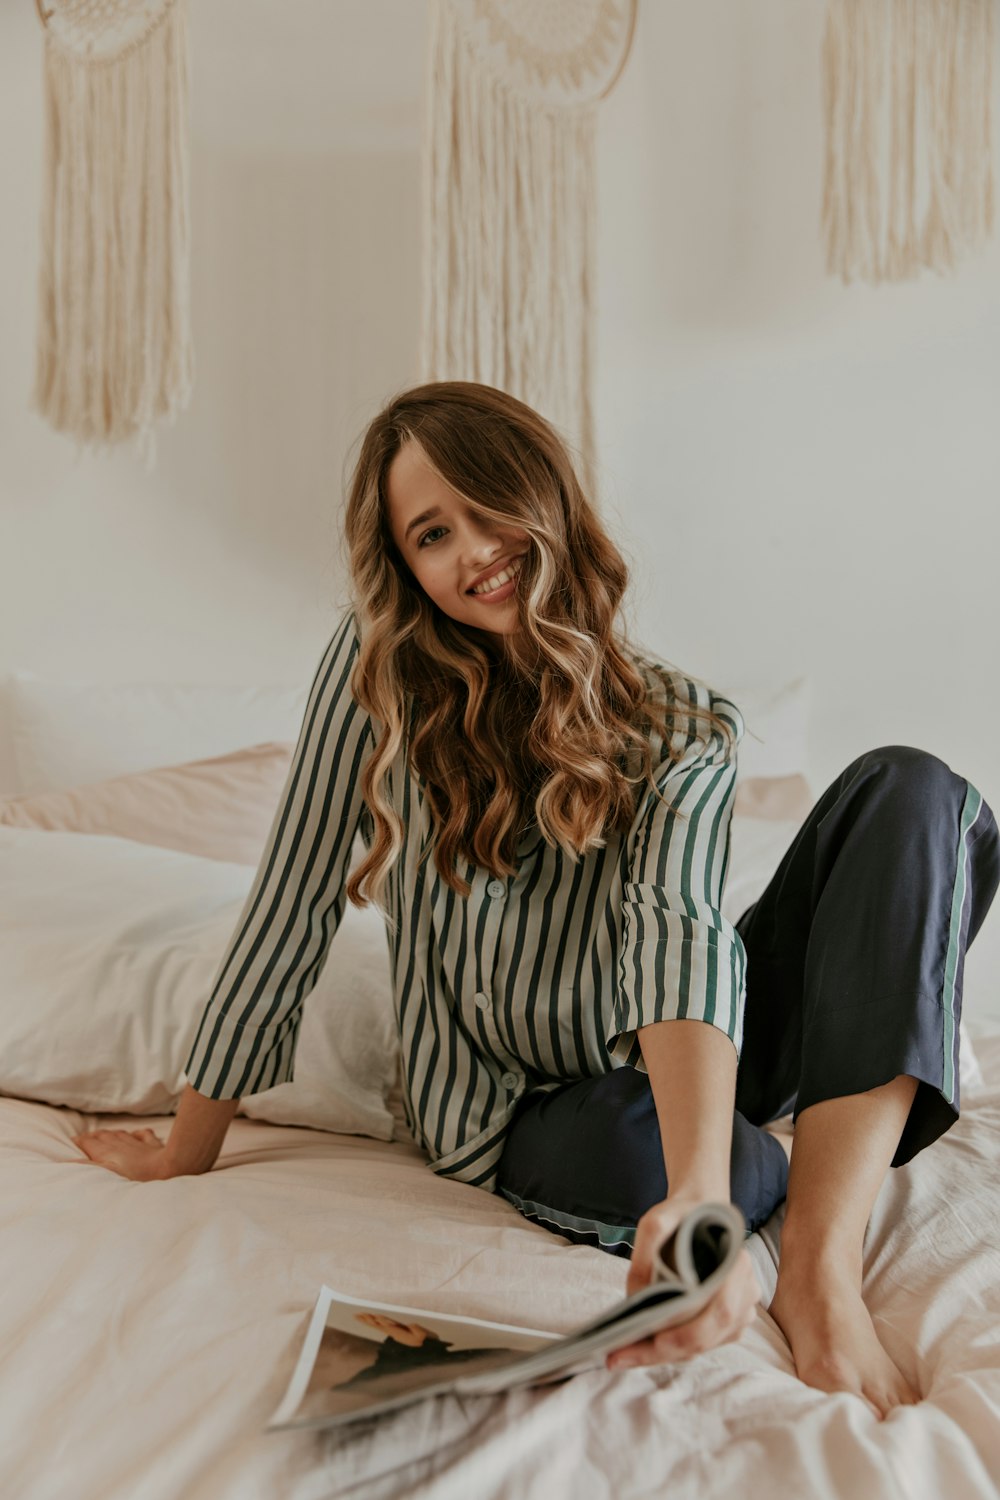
x,y
885,1398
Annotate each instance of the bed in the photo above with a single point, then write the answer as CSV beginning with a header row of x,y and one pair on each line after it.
x,y
148,1330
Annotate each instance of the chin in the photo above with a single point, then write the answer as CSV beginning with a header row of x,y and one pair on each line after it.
x,y
502,627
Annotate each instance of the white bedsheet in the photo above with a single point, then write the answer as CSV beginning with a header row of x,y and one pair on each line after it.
x,y
147,1331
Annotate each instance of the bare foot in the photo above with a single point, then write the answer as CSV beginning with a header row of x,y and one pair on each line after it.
x,y
833,1339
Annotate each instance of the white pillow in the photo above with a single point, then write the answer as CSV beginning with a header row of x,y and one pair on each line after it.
x,y
67,734
776,742
108,951
757,848
755,852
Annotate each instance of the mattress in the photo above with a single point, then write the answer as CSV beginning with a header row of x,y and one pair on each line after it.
x,y
148,1331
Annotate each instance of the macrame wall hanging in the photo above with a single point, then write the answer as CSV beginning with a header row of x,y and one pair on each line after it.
x,y
509,197
114,347
909,180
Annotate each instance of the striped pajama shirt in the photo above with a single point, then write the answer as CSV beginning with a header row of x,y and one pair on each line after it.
x,y
532,981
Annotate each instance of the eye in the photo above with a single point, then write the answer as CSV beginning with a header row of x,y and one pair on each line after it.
x,y
429,533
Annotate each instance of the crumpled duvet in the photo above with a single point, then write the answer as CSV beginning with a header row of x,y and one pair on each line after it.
x,y
148,1331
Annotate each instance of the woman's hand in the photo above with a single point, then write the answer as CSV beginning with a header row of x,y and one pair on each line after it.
x,y
196,1137
138,1154
723,1320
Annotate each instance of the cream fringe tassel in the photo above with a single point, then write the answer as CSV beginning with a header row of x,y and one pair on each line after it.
x,y
939,55
114,346
509,239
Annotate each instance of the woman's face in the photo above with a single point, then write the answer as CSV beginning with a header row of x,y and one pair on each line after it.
x,y
452,548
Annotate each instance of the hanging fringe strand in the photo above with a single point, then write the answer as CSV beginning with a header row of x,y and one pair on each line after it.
x,y
936,58
509,238
114,350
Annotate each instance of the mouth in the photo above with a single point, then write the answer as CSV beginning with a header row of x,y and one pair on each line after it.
x,y
508,573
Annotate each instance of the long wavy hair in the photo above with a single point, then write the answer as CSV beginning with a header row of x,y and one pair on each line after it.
x,y
551,722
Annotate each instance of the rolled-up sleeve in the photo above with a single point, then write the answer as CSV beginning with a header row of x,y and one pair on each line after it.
x,y
680,958
247,1035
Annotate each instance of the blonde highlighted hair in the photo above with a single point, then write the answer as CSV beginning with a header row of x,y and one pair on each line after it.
x,y
555,724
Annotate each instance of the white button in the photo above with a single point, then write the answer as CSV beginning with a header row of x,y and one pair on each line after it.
x,y
509,1080
496,888
483,1001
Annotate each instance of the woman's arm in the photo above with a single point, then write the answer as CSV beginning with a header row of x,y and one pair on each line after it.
x,y
192,1147
692,1072
245,1042
197,1133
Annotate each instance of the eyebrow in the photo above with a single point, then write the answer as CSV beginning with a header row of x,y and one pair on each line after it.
x,y
424,516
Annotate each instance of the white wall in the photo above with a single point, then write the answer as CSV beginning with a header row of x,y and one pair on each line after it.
x,y
224,562
805,474
802,474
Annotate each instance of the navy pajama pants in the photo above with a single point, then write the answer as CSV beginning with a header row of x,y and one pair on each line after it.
x,y
855,960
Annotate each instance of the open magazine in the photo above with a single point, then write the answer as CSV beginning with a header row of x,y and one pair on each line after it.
x,y
361,1358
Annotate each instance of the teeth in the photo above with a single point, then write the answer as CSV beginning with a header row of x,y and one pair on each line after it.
x,y
499,579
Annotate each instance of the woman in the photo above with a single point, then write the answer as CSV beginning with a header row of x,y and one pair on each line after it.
x,y
546,817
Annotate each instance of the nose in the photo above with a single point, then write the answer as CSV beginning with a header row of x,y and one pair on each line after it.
x,y
484,541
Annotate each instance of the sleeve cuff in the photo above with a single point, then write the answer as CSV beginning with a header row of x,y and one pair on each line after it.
x,y
231,1060
624,1046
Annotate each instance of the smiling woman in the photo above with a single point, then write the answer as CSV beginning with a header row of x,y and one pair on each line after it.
x,y
517,694
545,811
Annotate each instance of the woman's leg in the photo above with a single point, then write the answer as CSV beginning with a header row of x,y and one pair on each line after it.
x,y
585,1160
842,1148
855,961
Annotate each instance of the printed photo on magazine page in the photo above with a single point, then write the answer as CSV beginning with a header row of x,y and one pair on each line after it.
x,y
362,1357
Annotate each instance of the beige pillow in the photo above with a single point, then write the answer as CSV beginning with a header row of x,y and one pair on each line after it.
x,y
774,798
108,950
220,808
223,808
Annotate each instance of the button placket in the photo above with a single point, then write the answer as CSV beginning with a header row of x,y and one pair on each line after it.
x,y
495,889
484,1004
491,935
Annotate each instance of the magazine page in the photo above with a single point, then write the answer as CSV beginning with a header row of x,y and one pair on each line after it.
x,y
361,1357
693,1263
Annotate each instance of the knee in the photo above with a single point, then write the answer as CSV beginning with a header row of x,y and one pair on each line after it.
x,y
625,1130
758,1172
914,774
599,1130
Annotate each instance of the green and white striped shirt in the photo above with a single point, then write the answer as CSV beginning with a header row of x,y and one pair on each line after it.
x,y
533,980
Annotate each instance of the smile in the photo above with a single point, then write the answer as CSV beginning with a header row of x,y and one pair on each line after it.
x,y
505,576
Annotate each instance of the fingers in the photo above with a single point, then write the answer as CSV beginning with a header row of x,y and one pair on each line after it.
x,y
653,1228
145,1135
683,1342
631,1354
724,1320
102,1154
640,1267
122,1151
